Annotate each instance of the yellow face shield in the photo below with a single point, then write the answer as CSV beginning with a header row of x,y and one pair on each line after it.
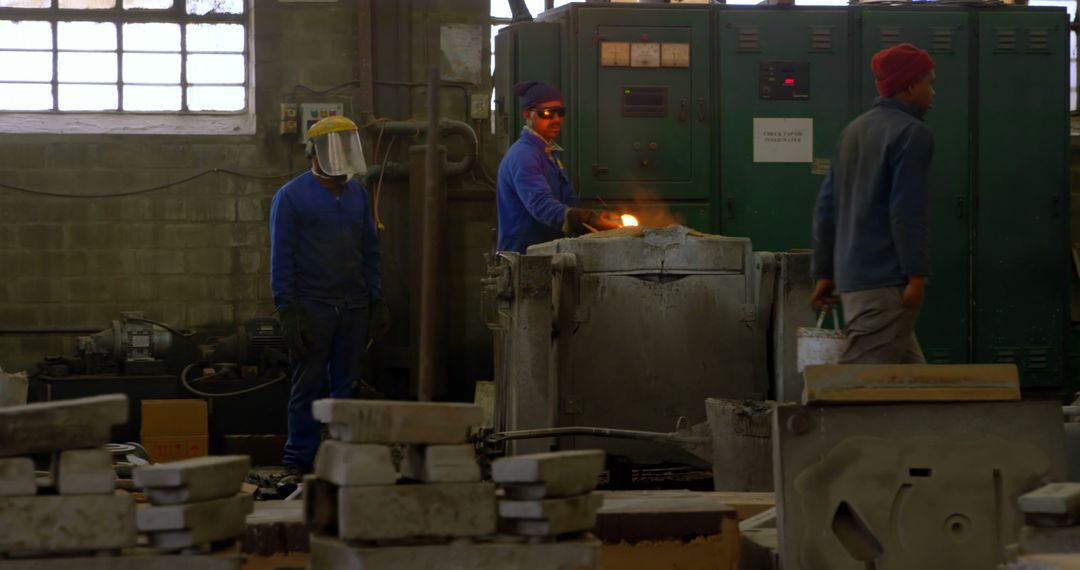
x,y
339,153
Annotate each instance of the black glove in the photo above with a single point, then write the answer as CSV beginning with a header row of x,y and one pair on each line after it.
x,y
379,320
292,317
579,221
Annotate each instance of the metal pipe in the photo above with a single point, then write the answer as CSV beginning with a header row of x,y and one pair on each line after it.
x,y
520,11
20,332
428,344
366,89
674,437
415,128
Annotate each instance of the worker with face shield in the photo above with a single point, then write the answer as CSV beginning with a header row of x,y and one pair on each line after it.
x,y
324,276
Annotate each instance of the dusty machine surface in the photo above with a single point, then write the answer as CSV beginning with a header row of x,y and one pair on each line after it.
x,y
901,486
628,329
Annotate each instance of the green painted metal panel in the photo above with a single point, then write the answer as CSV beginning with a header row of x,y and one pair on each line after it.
x,y
642,132
772,203
1022,230
944,323
523,52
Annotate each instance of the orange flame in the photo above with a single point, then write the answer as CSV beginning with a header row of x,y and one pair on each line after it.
x,y
629,220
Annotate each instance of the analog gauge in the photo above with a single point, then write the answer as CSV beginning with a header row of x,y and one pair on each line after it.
x,y
615,54
675,55
645,54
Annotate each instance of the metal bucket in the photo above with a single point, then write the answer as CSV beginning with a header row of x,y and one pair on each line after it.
x,y
818,345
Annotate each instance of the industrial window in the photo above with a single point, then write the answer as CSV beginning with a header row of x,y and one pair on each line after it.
x,y
123,59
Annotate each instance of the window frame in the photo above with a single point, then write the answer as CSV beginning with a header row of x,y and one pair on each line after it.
x,y
181,122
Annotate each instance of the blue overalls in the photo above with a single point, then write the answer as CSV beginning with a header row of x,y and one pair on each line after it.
x,y
324,256
533,194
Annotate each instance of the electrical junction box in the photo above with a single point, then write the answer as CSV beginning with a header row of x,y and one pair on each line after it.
x,y
311,113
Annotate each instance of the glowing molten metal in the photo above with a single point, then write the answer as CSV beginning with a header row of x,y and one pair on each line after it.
x,y
628,220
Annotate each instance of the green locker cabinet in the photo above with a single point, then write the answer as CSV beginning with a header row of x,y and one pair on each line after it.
x,y
944,323
1022,231
778,64
641,116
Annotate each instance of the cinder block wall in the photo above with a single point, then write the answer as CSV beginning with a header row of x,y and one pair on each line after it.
x,y
196,255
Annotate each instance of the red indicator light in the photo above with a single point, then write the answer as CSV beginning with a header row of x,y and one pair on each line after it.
x,y
789,81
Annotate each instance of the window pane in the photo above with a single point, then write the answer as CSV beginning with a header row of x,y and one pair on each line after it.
x,y
215,69
202,7
151,68
215,37
25,96
25,66
74,67
152,37
215,98
88,97
151,98
86,35
26,4
87,4
25,34
148,4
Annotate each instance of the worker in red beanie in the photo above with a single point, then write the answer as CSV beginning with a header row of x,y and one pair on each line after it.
x,y
871,243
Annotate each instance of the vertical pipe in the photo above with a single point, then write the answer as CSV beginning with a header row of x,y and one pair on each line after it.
x,y
429,343
366,89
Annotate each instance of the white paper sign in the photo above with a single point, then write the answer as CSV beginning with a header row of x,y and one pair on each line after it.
x,y
783,140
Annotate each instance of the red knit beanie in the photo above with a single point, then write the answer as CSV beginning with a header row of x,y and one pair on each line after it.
x,y
899,67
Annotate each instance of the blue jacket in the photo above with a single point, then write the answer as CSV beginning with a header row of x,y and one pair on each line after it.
x,y
533,194
872,213
323,248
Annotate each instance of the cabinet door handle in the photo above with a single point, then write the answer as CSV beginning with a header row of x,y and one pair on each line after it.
x,y
701,109
960,208
684,110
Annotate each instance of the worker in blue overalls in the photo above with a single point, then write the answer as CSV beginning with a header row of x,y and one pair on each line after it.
x,y
534,200
324,275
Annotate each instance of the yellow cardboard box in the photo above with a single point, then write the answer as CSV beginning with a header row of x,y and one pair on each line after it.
x,y
174,429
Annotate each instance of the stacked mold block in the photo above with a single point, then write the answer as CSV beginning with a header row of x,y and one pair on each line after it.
x,y
1050,537
546,496
72,517
195,504
78,512
435,513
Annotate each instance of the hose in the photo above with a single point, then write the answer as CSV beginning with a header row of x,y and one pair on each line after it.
x,y
162,325
193,390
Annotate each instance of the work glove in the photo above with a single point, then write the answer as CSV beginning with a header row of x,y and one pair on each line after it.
x,y
580,221
379,320
292,317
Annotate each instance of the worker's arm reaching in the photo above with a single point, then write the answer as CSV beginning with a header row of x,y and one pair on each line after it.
x,y
535,192
579,221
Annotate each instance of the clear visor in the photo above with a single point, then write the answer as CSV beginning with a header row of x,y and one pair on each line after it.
x,y
339,153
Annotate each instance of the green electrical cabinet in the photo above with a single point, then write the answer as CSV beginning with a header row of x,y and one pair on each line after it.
x,y
667,105
642,115
783,85
945,320
1021,240
523,52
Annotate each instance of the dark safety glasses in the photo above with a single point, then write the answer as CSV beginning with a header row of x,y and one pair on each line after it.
x,y
550,112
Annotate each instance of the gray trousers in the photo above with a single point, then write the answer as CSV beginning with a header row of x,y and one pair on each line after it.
x,y
879,329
